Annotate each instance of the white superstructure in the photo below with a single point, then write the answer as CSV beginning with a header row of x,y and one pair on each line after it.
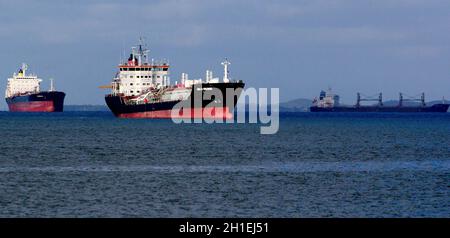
x,y
138,76
22,83
327,99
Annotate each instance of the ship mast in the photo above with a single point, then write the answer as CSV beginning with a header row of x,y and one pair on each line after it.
x,y
52,88
225,70
24,69
142,52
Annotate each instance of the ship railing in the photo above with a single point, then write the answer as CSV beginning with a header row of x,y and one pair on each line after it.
x,y
22,94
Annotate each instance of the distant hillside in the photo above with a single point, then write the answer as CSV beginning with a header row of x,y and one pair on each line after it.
x,y
85,108
438,101
395,103
296,105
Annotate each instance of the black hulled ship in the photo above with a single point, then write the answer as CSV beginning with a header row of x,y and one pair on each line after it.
x,y
329,102
23,94
142,89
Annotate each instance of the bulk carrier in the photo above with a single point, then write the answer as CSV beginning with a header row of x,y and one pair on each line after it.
x,y
329,102
142,89
23,94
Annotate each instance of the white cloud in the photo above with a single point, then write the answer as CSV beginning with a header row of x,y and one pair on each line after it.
x,y
418,51
183,22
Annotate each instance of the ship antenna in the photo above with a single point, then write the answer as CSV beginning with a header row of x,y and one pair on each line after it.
x,y
123,54
143,48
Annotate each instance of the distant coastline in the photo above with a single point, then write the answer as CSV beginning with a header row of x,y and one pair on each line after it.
x,y
296,105
85,108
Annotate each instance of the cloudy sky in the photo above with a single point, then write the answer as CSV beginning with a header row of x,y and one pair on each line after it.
x,y
299,46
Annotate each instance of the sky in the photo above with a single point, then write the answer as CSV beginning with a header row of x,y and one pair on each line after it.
x,y
298,46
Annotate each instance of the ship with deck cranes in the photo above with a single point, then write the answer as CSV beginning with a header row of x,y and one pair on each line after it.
x,y
329,102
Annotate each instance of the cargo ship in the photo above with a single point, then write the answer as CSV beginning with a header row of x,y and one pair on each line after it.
x,y
23,94
142,89
329,102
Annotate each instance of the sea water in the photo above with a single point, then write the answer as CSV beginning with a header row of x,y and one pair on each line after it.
x,y
91,164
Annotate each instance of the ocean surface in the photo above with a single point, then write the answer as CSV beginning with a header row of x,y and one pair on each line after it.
x,y
91,164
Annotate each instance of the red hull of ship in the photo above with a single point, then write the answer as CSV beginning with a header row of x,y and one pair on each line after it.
x,y
40,106
205,113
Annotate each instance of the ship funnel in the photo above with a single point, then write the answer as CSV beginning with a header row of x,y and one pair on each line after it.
x,y
23,69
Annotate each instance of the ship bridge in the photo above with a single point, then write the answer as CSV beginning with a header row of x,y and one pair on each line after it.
x,y
137,74
22,83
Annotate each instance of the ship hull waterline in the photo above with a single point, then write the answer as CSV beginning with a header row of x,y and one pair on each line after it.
x,y
37,102
436,108
206,109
